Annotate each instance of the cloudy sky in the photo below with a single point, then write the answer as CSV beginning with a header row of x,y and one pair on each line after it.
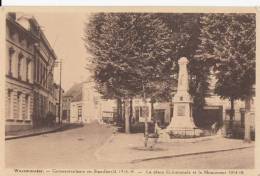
x,y
64,32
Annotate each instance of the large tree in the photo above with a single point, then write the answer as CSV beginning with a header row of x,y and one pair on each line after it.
x,y
129,52
136,54
228,43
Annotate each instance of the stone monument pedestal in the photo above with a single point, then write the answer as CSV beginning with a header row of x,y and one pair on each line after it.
x,y
182,124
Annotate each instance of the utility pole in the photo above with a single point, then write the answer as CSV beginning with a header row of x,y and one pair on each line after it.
x,y
59,112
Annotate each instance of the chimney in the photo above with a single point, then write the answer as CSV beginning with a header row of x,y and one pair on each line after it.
x,y
12,15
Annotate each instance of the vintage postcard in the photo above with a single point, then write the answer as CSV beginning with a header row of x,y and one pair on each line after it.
x,y
129,91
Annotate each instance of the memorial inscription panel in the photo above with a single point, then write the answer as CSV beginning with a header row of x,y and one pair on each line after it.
x,y
181,110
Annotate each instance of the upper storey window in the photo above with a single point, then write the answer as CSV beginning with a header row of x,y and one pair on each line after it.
x,y
11,55
20,58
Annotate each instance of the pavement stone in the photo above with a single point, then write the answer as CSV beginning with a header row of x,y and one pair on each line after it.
x,y
129,148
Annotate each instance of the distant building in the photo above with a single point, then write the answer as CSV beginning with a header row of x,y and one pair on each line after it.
x,y
74,94
66,101
162,111
87,105
29,73
217,108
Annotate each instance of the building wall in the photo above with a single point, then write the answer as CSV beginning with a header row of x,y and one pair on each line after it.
x,y
76,114
29,73
19,77
44,88
166,107
213,103
92,105
162,111
108,108
239,107
66,101
91,99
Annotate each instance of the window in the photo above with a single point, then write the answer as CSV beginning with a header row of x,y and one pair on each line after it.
x,y
159,115
28,62
11,54
20,57
39,71
79,113
28,102
137,113
9,113
19,105
141,112
11,33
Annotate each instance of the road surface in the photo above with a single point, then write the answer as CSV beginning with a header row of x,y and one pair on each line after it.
x,y
75,149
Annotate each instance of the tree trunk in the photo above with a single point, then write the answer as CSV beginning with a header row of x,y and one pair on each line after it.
x,y
127,118
145,128
152,111
131,113
145,121
119,112
123,110
247,137
231,114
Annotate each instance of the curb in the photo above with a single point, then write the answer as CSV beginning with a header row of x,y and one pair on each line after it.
x,y
187,154
34,134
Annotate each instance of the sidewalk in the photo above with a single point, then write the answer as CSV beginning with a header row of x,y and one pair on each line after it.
x,y
125,148
33,132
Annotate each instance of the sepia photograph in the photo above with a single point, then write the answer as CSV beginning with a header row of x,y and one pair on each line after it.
x,y
129,89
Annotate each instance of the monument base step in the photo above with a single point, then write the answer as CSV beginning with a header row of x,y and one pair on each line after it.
x,y
181,133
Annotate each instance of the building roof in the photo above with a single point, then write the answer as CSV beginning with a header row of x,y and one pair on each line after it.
x,y
75,92
25,22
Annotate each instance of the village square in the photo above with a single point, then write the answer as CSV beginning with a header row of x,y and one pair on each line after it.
x,y
130,90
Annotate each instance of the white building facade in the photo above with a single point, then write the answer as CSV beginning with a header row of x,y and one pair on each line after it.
x,y
91,107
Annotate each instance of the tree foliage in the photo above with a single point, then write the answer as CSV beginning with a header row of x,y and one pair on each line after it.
x,y
129,51
228,43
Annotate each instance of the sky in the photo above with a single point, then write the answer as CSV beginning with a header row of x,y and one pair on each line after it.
x,y
64,32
